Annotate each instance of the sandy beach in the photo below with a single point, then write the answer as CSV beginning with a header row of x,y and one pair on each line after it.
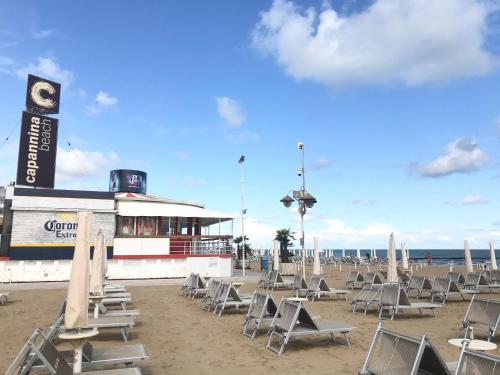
x,y
181,338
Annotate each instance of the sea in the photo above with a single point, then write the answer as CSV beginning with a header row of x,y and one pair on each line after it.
x,y
439,256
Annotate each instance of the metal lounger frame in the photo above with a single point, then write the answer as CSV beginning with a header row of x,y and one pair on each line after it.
x,y
262,309
480,363
470,325
368,295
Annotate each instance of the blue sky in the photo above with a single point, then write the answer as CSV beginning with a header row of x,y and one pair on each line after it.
x,y
397,103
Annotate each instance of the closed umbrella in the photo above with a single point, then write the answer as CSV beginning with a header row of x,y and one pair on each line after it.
x,y
276,253
97,275
375,253
404,256
493,256
77,303
316,265
468,259
392,271
358,254
343,253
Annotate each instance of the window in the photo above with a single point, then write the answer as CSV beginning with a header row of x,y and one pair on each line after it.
x,y
147,226
126,226
164,226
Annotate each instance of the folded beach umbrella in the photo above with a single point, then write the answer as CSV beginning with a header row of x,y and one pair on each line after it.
x,y
468,259
493,256
276,253
404,257
392,270
375,253
77,303
358,254
316,265
105,263
97,275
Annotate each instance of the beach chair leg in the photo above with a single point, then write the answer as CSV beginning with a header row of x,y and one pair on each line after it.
x,y
125,334
346,338
434,312
124,305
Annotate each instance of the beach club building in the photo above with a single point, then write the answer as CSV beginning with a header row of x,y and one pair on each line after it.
x,y
146,236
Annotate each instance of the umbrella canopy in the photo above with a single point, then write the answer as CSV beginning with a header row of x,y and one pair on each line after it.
x,y
276,253
468,259
392,271
404,256
97,274
316,265
493,256
77,302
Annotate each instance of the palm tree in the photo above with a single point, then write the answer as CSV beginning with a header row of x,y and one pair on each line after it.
x,y
285,237
248,250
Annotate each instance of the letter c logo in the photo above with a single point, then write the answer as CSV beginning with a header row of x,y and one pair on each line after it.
x,y
36,94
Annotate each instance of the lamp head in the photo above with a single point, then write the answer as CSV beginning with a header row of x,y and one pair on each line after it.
x,y
308,200
300,145
287,200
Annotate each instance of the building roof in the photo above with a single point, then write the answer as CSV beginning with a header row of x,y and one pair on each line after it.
x,y
134,204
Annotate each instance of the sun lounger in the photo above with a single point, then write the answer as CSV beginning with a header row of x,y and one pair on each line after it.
x,y
476,363
212,292
353,278
198,286
263,280
229,298
104,311
474,280
299,286
444,287
419,284
482,315
40,350
293,320
392,353
372,278
369,295
4,297
395,299
187,283
318,288
262,309
494,281
276,281
457,277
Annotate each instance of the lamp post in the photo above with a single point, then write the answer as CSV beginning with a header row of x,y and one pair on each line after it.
x,y
241,162
305,201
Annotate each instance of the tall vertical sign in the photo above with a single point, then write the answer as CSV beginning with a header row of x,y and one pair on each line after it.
x,y
36,164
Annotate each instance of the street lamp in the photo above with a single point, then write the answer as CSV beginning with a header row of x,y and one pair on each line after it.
x,y
305,201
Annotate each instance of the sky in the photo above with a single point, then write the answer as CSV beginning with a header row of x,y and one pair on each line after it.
x,y
396,101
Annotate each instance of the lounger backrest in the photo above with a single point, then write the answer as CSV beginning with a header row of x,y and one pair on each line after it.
x,y
271,306
476,363
427,285
51,357
286,315
441,285
472,280
453,287
194,282
369,278
273,276
483,311
264,277
323,286
352,277
393,353
367,294
299,282
390,295
403,299
22,358
314,284
495,276
456,277
416,282
258,305
279,278
214,287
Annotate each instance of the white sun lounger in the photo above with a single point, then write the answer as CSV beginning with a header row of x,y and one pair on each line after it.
x,y
318,288
395,299
4,297
229,298
262,309
369,295
476,363
39,350
419,284
211,294
292,320
354,278
299,286
483,315
444,287
392,353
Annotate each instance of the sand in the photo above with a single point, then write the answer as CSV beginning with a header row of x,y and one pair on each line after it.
x,y
183,339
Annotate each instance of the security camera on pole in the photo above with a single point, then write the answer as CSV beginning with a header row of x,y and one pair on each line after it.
x,y
305,200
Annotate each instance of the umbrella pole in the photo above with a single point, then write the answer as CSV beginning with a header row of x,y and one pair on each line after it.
x,y
77,340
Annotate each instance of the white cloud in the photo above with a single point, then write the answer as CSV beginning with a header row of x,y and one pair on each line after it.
x,y
230,111
391,40
242,136
42,34
47,68
321,163
103,101
470,200
75,164
463,156
364,202
195,181
6,65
